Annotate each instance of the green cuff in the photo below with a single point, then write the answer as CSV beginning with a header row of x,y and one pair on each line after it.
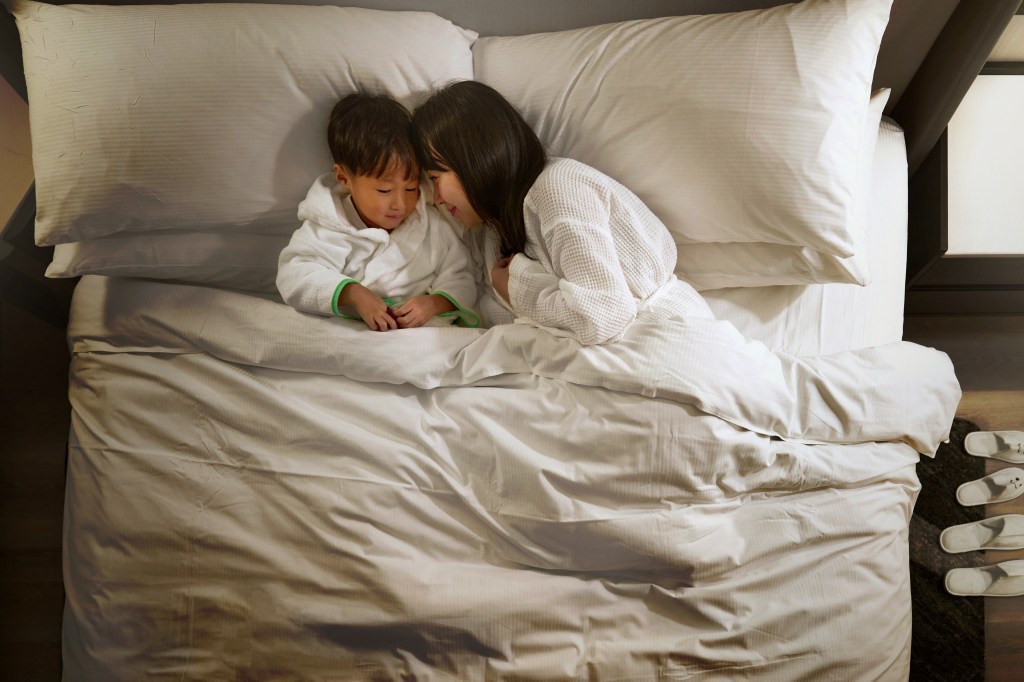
x,y
466,317
337,294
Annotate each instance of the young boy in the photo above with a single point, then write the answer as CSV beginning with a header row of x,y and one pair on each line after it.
x,y
368,243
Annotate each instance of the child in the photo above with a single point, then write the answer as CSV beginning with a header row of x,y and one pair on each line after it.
x,y
368,242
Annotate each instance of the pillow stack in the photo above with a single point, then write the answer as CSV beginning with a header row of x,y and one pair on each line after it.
x,y
177,141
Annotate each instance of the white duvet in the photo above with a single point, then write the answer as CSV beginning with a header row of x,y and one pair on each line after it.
x,y
255,493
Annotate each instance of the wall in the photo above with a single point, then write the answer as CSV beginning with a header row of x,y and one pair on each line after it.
x,y
1010,47
986,145
15,151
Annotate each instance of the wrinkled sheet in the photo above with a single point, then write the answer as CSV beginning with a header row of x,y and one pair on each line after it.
x,y
254,493
898,391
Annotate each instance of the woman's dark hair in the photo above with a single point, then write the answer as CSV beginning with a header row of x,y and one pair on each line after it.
x,y
471,129
368,134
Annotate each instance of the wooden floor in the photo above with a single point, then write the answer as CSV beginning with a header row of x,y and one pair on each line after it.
x,y
988,354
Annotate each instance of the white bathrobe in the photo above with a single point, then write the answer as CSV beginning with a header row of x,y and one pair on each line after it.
x,y
424,255
596,258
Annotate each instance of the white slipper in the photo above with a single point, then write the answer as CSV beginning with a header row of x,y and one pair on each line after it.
x,y
1000,486
998,532
1005,445
1001,580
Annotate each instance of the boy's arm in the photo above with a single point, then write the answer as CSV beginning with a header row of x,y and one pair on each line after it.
x,y
454,276
306,278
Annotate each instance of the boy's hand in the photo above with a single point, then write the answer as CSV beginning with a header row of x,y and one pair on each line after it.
x,y
370,307
499,277
418,310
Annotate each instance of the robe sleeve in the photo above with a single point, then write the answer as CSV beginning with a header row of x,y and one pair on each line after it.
x,y
587,293
454,277
306,278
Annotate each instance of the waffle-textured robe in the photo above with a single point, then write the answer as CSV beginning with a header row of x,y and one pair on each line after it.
x,y
596,258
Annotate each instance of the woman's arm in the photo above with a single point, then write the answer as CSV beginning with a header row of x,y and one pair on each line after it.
x,y
585,290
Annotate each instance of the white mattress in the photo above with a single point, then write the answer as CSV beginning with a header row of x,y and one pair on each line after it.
x,y
826,318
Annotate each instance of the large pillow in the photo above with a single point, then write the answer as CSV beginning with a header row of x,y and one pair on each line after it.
x,y
208,116
249,261
717,265
737,127
233,260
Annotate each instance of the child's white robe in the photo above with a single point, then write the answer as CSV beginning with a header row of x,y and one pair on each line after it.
x,y
424,255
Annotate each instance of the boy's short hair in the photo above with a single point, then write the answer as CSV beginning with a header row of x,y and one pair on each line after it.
x,y
368,134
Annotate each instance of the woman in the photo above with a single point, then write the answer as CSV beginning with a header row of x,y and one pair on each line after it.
x,y
566,246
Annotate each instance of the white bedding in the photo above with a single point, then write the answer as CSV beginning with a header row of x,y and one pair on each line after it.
x,y
825,318
242,506
258,494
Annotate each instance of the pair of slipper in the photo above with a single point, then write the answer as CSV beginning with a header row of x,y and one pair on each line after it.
x,y
1004,579
1003,485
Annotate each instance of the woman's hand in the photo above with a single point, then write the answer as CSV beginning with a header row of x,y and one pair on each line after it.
x,y
418,310
499,277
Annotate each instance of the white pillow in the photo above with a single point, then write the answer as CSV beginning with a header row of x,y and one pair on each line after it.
x,y
722,266
738,127
249,261
239,260
235,260
714,265
205,116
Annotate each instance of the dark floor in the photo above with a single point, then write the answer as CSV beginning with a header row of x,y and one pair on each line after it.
x,y
34,417
987,350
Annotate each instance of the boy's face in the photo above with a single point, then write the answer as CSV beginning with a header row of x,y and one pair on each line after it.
x,y
382,202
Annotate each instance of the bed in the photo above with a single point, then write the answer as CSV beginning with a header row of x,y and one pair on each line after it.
x,y
256,493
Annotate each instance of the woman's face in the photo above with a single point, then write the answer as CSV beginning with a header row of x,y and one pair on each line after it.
x,y
449,195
